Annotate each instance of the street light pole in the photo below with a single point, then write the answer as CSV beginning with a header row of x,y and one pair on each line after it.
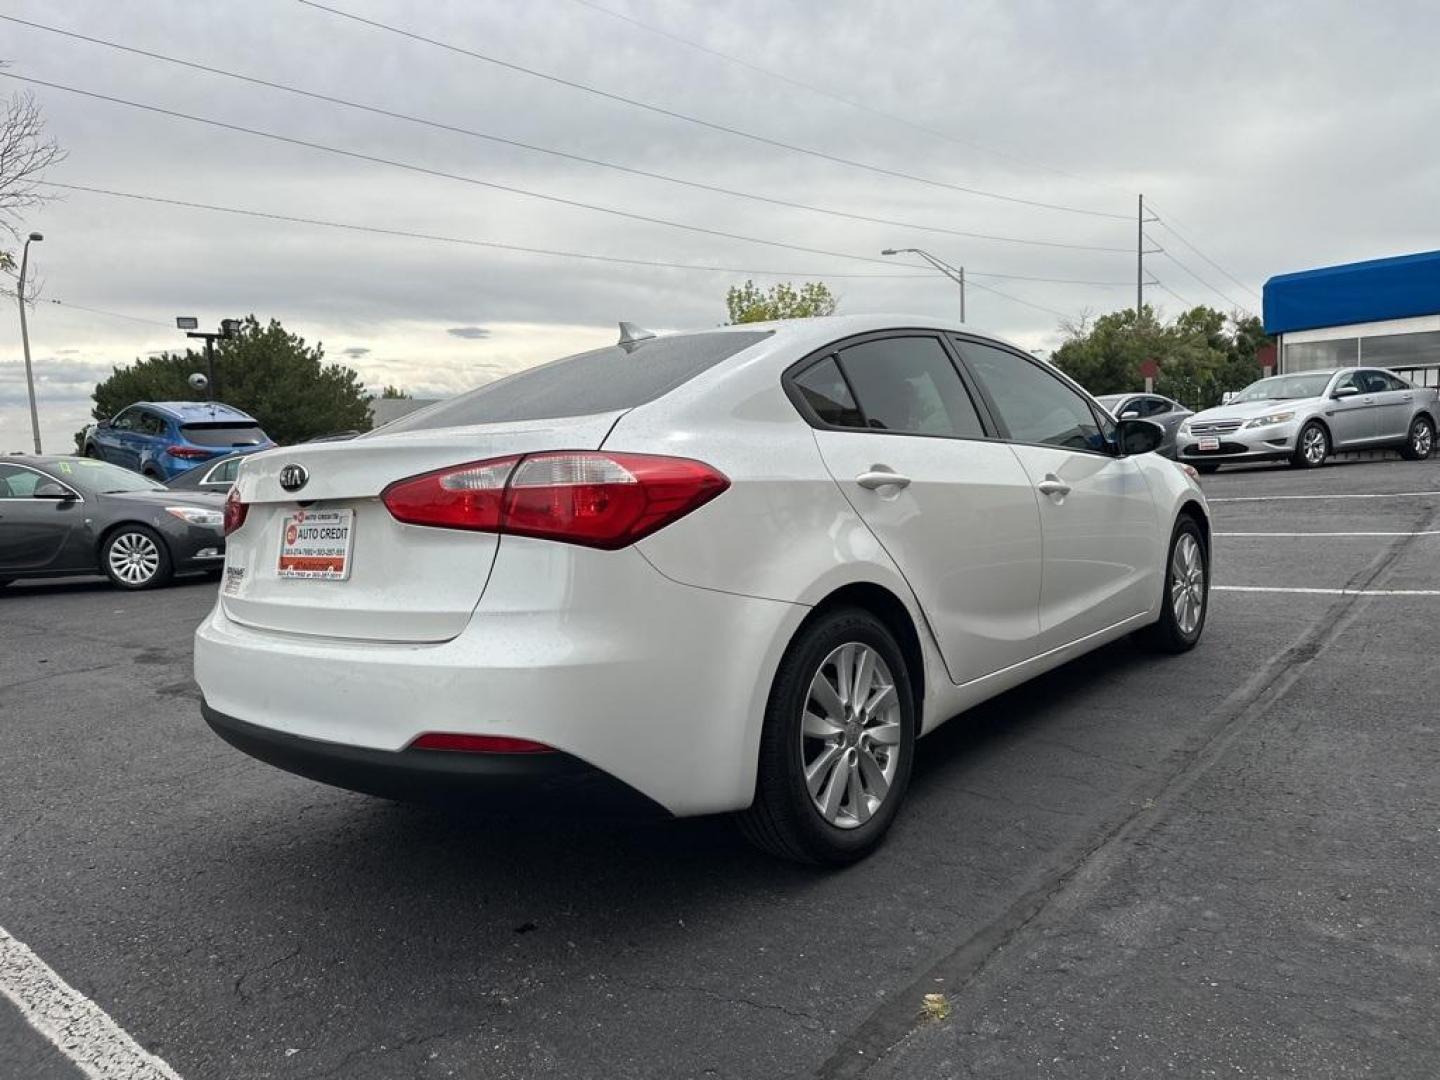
x,y
25,341
954,273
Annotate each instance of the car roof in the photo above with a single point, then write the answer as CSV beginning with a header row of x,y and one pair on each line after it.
x,y
821,330
40,461
197,410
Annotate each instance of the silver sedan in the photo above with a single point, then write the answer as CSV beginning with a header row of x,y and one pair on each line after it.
x,y
1304,417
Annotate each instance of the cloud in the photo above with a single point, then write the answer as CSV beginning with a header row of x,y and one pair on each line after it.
x,y
354,352
471,333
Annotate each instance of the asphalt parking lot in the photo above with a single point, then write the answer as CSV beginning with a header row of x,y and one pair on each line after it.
x,y
1221,864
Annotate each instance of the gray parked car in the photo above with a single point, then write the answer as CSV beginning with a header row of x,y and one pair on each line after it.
x,y
74,515
1306,416
1158,410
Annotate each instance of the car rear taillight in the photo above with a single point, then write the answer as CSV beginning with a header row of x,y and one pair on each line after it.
x,y
235,511
479,744
188,452
585,497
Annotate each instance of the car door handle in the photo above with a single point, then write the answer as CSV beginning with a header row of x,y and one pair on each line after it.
x,y
879,477
1368,400
1053,485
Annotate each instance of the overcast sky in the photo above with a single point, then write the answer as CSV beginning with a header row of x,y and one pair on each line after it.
x,y
1274,136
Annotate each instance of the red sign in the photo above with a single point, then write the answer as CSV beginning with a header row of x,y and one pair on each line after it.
x,y
1150,369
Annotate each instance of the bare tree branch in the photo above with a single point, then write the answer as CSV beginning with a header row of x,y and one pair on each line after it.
x,y
25,154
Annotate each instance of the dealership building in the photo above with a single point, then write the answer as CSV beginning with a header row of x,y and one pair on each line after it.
x,y
1382,313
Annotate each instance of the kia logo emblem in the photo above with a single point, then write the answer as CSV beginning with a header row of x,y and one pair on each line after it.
x,y
293,477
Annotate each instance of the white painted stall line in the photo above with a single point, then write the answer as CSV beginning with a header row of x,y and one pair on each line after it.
x,y
1279,498
1324,592
1423,532
77,1027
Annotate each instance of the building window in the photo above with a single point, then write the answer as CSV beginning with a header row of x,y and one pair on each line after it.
x,y
1402,350
1313,355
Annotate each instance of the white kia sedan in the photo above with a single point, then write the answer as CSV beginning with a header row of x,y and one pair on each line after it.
x,y
737,570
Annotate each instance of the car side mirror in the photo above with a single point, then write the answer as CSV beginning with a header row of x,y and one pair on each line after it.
x,y
1139,436
103,423
49,489
1345,391
1129,414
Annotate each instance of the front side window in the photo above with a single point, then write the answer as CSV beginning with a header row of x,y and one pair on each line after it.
x,y
1034,405
1155,407
17,483
225,472
909,385
125,421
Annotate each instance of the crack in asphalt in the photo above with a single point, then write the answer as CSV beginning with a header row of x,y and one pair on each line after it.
x,y
898,1018
726,999
248,972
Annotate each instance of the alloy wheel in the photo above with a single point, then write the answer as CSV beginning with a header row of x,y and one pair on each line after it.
x,y
134,558
850,735
1422,439
1313,445
1187,584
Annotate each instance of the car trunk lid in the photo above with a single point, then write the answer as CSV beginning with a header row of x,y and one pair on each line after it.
x,y
404,583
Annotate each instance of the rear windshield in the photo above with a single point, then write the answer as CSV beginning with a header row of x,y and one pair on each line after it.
x,y
604,380
216,434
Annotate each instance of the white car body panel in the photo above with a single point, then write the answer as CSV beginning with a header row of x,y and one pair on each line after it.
x,y
654,662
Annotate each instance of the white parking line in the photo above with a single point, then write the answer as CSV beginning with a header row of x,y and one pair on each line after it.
x,y
77,1027
1423,532
1277,498
1324,592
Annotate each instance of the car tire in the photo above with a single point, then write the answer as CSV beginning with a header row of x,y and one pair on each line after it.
x,y
135,557
153,474
1312,446
92,452
1207,469
1420,441
816,749
1187,592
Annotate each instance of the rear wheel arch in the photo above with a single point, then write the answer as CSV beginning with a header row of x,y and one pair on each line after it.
x,y
890,610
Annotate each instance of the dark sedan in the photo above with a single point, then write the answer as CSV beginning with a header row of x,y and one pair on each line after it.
x,y
73,515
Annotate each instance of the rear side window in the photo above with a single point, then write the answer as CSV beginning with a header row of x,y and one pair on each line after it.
x,y
908,384
604,380
824,390
217,434
1035,406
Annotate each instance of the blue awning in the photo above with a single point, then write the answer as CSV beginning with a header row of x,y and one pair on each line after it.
x,y
1395,288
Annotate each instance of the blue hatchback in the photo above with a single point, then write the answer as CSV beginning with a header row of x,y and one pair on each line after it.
x,y
165,438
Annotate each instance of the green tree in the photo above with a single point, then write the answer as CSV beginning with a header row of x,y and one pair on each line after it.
x,y
1201,353
393,393
268,372
749,303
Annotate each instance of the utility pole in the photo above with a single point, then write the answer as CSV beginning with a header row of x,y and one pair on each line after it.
x,y
25,342
954,273
1140,260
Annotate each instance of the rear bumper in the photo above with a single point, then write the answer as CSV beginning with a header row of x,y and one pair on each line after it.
x,y
532,782
659,685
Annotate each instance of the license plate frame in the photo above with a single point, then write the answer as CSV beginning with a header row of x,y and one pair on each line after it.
x,y
309,548
1209,442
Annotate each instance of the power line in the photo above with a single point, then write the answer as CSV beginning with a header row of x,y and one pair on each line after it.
x,y
1202,281
1181,237
440,173
842,99
111,314
291,219
470,132
1161,285
710,124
